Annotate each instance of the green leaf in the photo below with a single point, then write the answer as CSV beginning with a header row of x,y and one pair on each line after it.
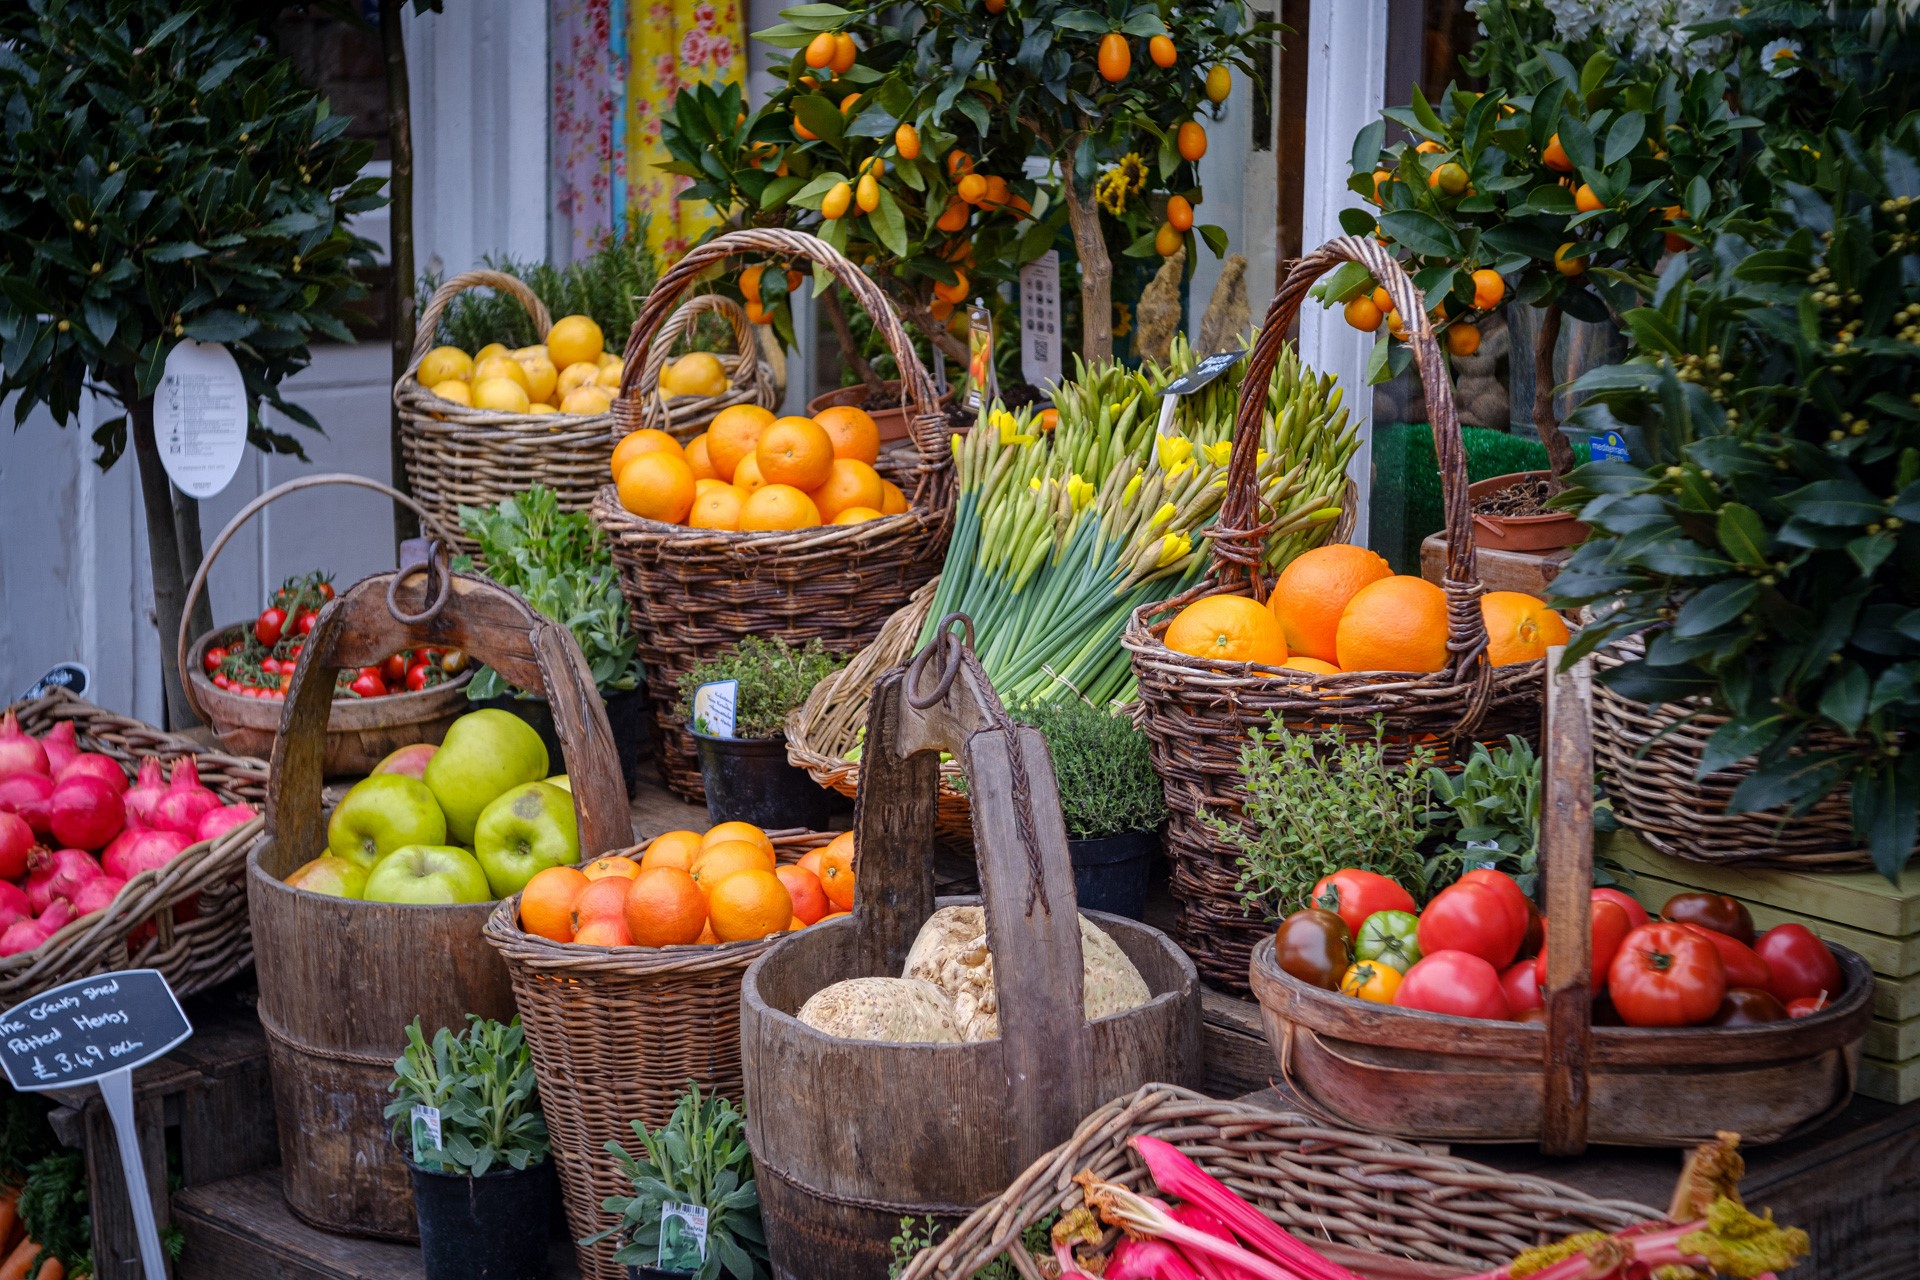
x,y
1430,123
175,252
1743,535
820,117
1366,148
1344,283
1625,134
1844,701
1216,238
1421,232
889,225
1713,607
1085,20
1835,502
1735,741
781,190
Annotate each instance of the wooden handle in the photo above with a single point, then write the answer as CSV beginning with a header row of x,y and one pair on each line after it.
x,y
500,282
1566,860
748,375
493,626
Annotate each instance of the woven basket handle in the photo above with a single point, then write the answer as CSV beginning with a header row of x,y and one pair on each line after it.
x,y
234,525
499,281
927,423
1566,860
748,376
494,626
1238,536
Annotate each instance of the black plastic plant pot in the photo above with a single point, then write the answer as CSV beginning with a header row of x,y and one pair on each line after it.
x,y
492,1227
1110,874
626,716
750,780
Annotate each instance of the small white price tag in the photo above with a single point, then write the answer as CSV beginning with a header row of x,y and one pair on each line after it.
x,y
426,1131
200,417
683,1236
1040,319
713,707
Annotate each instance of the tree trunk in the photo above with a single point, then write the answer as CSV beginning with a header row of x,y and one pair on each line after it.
x,y
186,529
402,309
1096,268
1560,457
943,341
163,547
850,350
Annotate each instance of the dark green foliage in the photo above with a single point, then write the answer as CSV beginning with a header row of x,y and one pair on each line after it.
x,y
53,1209
1107,783
482,1082
775,678
608,286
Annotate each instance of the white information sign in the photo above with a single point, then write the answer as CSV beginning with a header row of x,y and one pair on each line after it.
x,y
200,417
1040,319
713,708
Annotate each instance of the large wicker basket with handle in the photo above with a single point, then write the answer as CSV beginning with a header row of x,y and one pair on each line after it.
x,y
459,456
697,592
640,403
1196,711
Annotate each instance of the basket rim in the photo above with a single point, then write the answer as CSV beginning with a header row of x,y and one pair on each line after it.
x,y
898,527
215,696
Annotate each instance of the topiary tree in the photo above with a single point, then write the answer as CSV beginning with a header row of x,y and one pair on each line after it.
x,y
164,176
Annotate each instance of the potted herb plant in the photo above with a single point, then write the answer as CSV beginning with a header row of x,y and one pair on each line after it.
x,y
743,763
1110,798
465,1111
559,563
694,1211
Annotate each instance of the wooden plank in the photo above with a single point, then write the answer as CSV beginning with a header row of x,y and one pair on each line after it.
x,y
1528,571
1891,957
1861,899
1895,1082
1233,1045
1893,1041
241,1229
1896,999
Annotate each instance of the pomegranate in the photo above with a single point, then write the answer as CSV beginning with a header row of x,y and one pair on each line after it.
x,y
86,812
97,894
186,801
16,841
57,873
57,916
94,765
23,936
60,747
218,822
145,793
19,753
146,851
26,794
13,899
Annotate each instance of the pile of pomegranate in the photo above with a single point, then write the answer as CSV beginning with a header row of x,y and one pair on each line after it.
x,y
73,830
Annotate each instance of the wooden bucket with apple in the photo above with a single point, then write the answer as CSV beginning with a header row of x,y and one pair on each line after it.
x,y
341,978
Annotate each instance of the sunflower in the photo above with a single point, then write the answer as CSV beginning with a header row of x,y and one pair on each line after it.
x,y
1112,189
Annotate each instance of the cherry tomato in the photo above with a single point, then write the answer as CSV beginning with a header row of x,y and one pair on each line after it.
x,y
325,589
1807,1006
1521,984
1714,911
286,679
1801,964
394,668
268,626
1454,982
1519,909
1607,925
1665,975
303,621
1747,1007
417,677
453,661
368,683
270,666
1473,918
1312,945
1636,914
222,680
1390,936
1354,895
1370,980
293,650
212,658
1745,968
429,656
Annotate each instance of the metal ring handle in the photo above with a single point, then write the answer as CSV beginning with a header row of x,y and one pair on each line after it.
x,y
432,561
943,642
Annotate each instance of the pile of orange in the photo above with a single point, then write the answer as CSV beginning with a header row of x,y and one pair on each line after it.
x,y
751,472
689,887
1342,608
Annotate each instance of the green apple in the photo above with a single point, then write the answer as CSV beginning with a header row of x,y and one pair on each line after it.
x,y
485,753
380,814
427,875
334,876
411,761
525,831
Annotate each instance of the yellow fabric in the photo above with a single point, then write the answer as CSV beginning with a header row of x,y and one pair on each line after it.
x,y
672,44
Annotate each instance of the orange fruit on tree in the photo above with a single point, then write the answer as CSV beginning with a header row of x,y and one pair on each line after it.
x,y
959,163
1520,627
546,904
718,507
697,459
601,900
820,50
796,451
1313,591
607,931
844,53
1228,629
672,849
906,140
775,507
1114,57
855,515
1428,147
954,216
1313,666
1463,339
1190,140
749,904
837,870
892,501
1180,213
665,908
726,858
1586,200
732,435
954,293
853,432
1166,241
1555,156
611,864
746,476
1161,50
1489,288
1568,262
657,486
1382,299
1362,314
849,483
1395,624
750,282
809,896
721,833
972,188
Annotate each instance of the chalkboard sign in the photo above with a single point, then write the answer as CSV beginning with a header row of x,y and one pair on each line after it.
x,y
1204,372
80,1031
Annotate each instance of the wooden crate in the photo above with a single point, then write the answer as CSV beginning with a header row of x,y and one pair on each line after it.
x,y
1857,909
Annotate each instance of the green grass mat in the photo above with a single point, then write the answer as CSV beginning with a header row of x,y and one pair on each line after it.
x,y
1406,482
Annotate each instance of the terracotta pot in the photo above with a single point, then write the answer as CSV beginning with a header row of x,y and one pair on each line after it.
x,y
1549,532
892,422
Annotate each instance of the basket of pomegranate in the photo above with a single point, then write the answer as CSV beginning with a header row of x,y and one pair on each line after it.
x,y
121,846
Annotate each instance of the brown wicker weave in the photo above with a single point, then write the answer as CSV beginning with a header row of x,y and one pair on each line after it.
x,y
697,592
1355,1196
145,926
616,1033
640,403
1196,712
459,456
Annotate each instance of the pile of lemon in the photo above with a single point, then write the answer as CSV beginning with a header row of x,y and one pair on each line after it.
x,y
571,372
698,373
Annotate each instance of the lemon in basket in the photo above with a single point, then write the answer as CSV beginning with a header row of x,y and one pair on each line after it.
x,y
581,373
443,364
501,367
491,349
698,373
502,395
455,390
587,401
574,339
541,377
611,373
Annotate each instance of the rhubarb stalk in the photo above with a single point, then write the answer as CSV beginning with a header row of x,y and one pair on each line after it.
x,y
1180,1177
1139,1216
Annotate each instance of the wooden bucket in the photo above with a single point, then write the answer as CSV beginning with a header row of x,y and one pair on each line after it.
x,y
1434,1077
340,979
941,1129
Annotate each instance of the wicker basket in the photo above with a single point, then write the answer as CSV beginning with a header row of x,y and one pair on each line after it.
x,y
640,403
187,919
456,456
1196,712
696,592
1358,1199
616,1033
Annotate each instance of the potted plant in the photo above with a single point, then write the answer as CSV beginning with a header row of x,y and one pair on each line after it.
x,y
1110,798
465,1111
743,765
559,563
694,1211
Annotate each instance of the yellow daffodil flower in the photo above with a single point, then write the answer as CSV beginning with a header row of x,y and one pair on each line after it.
x,y
1218,454
1166,512
1173,546
1128,494
1172,451
1081,491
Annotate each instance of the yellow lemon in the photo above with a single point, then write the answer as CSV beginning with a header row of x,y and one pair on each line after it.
x,y
455,390
501,394
606,358
574,339
491,349
698,373
582,373
541,406
587,401
528,353
502,367
541,377
610,374
444,363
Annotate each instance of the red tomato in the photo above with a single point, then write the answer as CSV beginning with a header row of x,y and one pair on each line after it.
x,y
1521,984
429,656
1636,914
326,590
1519,907
417,677
286,678
1807,1006
222,680
1745,968
293,650
1746,1007
270,666
1454,982
212,659
1801,964
394,669
1472,918
303,621
368,683
1666,975
1353,895
1714,911
1607,925
268,626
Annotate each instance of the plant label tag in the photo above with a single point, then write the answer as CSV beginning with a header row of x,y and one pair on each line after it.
x,y
71,676
683,1236
1610,447
713,708
1204,372
1040,319
426,1131
200,417
982,383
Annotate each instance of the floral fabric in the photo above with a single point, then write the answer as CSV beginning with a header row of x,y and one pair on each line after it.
x,y
585,81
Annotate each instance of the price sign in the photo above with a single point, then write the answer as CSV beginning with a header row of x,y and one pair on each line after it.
x,y
1194,379
96,1031
200,417
1040,319
71,676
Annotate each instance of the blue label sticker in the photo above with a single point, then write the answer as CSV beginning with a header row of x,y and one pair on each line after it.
x,y
1608,448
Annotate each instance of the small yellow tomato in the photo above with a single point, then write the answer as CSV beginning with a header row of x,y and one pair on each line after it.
x,y
1370,980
